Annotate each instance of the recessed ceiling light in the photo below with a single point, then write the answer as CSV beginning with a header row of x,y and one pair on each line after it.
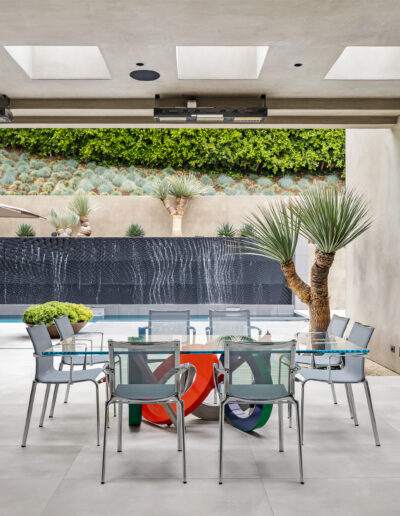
x,y
220,62
144,75
139,64
297,65
366,64
60,62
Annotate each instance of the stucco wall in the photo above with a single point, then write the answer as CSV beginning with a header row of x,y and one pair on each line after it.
x,y
373,260
202,217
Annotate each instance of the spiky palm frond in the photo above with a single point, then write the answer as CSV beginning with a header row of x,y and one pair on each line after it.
x,y
160,188
331,220
81,204
275,231
70,218
185,185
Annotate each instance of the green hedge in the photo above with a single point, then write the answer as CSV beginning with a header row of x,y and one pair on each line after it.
x,y
263,151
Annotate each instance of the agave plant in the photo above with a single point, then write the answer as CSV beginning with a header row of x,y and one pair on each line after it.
x,y
182,188
25,230
135,230
82,205
226,230
327,219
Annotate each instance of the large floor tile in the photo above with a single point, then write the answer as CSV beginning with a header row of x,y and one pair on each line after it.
x,y
22,497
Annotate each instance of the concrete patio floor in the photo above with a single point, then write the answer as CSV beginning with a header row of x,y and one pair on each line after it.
x,y
58,473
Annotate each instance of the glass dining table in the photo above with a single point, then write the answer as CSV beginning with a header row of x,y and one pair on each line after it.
x,y
200,353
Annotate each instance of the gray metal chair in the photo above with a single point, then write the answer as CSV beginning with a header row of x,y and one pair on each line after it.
x,y
277,362
336,327
169,322
66,331
230,322
351,373
132,381
47,374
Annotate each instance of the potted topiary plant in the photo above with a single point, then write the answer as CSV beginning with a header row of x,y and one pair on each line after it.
x,y
78,314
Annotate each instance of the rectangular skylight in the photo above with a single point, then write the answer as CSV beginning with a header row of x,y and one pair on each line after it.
x,y
220,62
367,64
60,62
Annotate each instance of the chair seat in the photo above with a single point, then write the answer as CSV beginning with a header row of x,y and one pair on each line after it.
x,y
320,360
258,392
322,375
79,360
150,391
54,376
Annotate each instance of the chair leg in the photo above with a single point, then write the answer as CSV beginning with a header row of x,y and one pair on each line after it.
x,y
29,413
346,385
181,423
97,413
53,402
280,416
371,413
68,387
46,397
178,426
221,437
299,437
108,397
353,404
333,393
290,414
120,413
103,466
302,412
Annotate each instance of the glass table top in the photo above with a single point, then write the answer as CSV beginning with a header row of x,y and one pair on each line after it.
x,y
96,344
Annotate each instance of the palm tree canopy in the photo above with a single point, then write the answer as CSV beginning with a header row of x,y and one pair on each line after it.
x,y
81,204
331,220
275,231
185,185
160,188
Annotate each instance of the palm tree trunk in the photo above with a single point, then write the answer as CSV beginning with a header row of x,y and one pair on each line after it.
x,y
176,225
85,230
320,314
295,283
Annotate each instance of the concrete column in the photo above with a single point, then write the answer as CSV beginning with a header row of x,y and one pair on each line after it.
x,y
373,260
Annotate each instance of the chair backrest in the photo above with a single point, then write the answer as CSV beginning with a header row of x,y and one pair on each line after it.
x,y
139,363
360,334
354,365
338,325
41,341
229,322
64,327
261,363
169,322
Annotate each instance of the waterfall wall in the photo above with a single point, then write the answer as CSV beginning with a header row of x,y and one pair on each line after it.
x,y
136,271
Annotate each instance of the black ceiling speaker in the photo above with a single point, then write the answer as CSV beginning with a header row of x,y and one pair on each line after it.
x,y
6,115
144,75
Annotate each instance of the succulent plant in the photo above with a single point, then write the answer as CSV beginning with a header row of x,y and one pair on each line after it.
x,y
8,177
253,177
264,181
229,191
168,171
132,169
25,230
135,230
209,190
286,182
25,178
34,188
226,230
332,180
140,181
91,165
3,152
105,188
44,172
72,163
23,168
303,184
116,192
128,186
224,180
118,179
7,161
147,187
247,230
100,170
267,191
35,164
296,188
206,180
47,188
85,185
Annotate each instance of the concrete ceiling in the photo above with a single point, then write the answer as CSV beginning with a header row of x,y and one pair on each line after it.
x,y
312,32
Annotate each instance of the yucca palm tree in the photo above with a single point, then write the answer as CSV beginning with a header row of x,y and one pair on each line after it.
x,y
82,205
182,187
325,217
63,221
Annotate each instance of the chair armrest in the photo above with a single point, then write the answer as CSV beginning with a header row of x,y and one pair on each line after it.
x,y
208,330
193,329
184,369
219,370
255,328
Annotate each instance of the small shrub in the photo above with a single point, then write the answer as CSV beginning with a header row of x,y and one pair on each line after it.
x,y
100,170
74,182
135,230
168,171
105,188
2,191
224,180
253,177
58,167
25,230
296,188
72,163
44,172
132,169
91,165
23,168
147,187
62,190
140,181
47,188
128,186
46,313
254,189
267,191
286,182
85,185
226,230
303,184
332,180
35,164
7,161
117,180
206,180
9,177
25,178
264,181
34,188
116,192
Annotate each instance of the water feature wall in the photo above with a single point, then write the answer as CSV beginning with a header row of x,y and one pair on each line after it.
x,y
136,271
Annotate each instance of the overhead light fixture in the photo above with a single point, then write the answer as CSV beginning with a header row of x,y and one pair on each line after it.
x,y
6,116
194,114
144,75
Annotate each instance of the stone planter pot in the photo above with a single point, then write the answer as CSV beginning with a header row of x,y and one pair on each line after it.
x,y
53,329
